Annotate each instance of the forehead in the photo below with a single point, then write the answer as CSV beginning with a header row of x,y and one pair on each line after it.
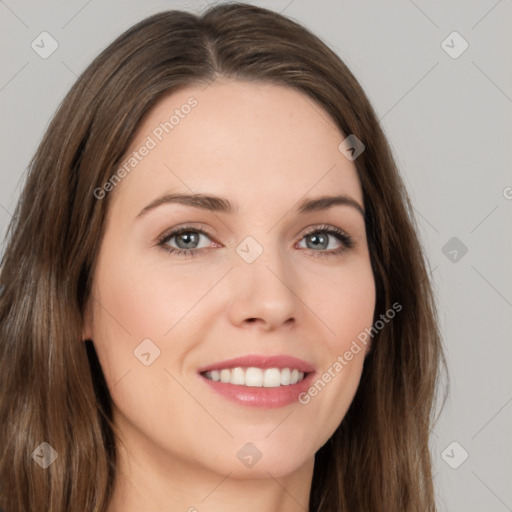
x,y
246,140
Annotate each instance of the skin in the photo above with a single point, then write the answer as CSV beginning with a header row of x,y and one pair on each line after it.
x,y
265,147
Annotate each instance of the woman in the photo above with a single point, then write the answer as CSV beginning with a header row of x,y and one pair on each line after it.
x,y
214,294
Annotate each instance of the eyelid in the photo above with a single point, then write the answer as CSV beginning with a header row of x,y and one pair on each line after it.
x,y
313,228
177,230
342,235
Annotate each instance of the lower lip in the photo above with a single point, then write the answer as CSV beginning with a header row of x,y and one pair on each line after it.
x,y
261,397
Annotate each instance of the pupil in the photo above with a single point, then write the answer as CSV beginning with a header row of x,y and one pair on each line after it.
x,y
192,238
317,238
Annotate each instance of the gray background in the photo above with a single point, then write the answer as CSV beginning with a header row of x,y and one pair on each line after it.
x,y
447,119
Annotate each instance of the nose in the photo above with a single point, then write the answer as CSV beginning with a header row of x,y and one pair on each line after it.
x,y
264,294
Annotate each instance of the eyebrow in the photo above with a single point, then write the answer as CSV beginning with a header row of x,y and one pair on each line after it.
x,y
222,205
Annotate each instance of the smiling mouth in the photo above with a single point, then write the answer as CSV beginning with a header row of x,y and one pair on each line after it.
x,y
256,377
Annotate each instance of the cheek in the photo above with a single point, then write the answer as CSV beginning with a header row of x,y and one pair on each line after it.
x,y
344,301
148,299
352,317
138,300
347,309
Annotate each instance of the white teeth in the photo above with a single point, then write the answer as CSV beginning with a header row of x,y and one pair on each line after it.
x,y
237,376
271,378
286,376
256,377
225,375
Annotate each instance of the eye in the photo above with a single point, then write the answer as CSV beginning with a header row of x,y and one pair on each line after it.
x,y
318,238
187,240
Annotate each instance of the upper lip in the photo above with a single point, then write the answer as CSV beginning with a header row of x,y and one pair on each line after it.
x,y
261,361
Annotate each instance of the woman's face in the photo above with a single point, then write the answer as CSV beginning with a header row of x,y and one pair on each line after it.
x,y
262,279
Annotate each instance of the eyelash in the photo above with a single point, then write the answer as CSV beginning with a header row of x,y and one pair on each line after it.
x,y
340,235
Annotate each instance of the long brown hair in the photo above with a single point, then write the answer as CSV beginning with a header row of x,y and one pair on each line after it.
x,y
52,388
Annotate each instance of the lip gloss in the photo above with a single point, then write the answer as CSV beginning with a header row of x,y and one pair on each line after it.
x,y
261,397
